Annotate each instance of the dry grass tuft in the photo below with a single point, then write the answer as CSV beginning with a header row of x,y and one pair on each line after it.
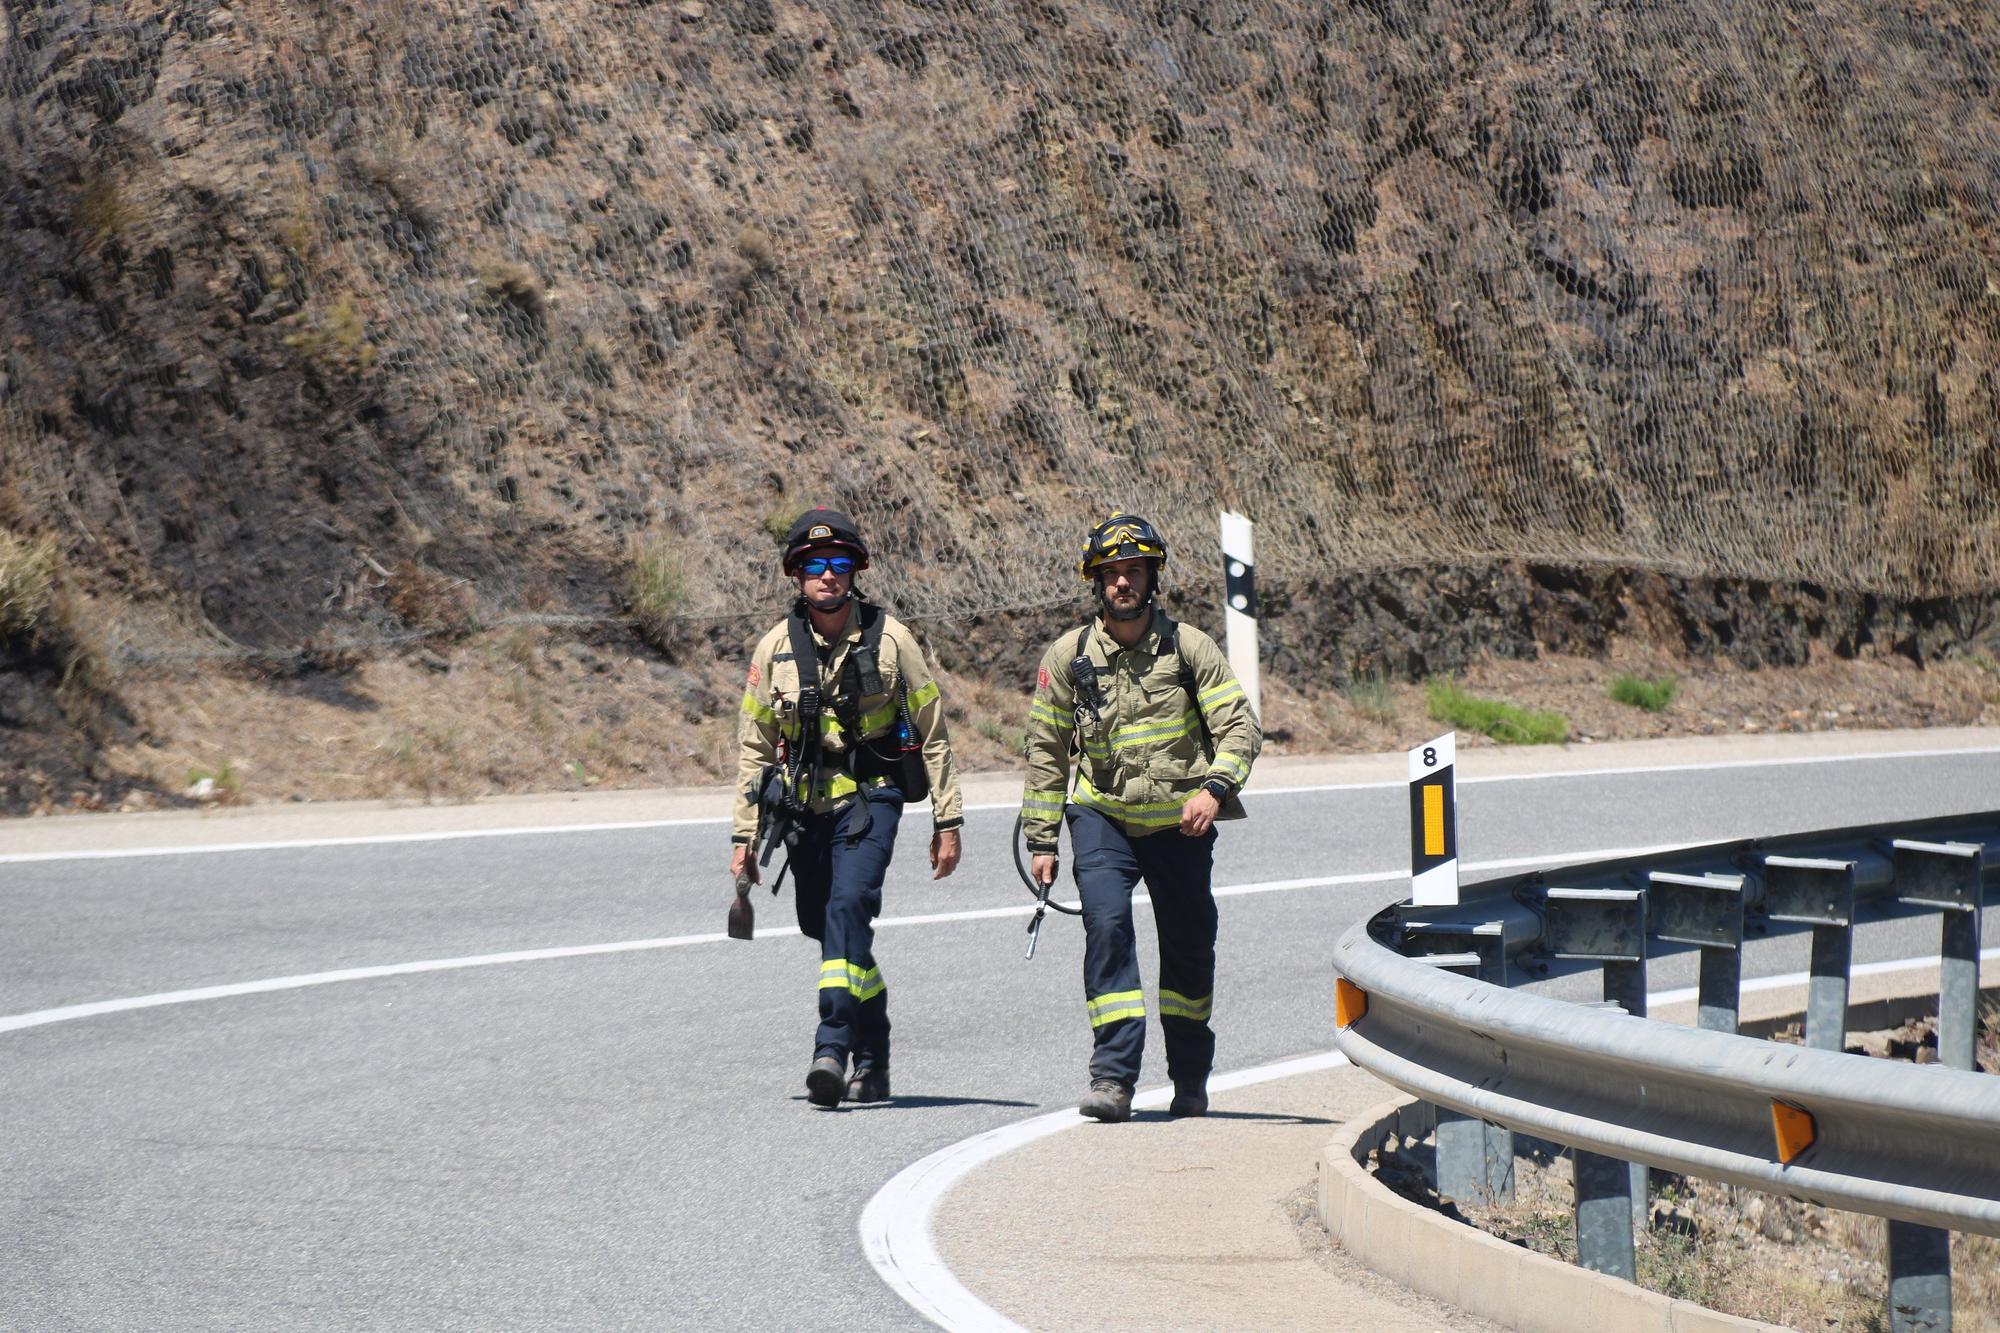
x,y
429,600
755,248
106,211
28,570
86,688
656,588
515,284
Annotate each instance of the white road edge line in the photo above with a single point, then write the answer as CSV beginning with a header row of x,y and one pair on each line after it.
x,y
896,1232
97,1008
621,826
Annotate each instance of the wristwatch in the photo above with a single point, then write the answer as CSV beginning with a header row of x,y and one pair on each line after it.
x,y
1217,788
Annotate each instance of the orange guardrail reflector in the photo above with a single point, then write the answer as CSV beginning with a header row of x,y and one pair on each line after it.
x,y
1794,1128
1350,1002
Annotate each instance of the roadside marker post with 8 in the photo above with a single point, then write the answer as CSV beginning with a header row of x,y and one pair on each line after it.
x,y
1434,823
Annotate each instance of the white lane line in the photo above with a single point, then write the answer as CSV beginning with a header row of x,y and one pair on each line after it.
x,y
546,830
896,1232
1789,762
359,840
94,1009
1475,780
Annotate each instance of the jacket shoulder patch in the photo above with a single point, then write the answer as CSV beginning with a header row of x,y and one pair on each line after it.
x,y
1042,679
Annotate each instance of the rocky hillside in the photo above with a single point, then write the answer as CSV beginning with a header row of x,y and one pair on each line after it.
x,y
328,322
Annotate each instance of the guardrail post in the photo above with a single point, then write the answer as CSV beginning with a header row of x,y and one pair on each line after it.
x,y
1705,911
1609,926
1948,876
1604,1215
1820,893
1919,1278
1475,1160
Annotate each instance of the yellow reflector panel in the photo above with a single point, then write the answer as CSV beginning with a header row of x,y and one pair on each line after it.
x,y
1350,1002
1795,1130
1434,820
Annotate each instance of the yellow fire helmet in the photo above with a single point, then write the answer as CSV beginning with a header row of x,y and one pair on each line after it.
x,y
1121,537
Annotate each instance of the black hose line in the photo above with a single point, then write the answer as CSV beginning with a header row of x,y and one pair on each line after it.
x,y
1021,868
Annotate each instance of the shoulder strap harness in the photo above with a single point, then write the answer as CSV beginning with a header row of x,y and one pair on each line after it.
x,y
1170,642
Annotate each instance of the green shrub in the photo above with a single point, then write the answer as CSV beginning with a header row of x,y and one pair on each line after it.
x,y
1011,739
1640,692
1368,694
337,338
1504,722
779,521
225,784
27,582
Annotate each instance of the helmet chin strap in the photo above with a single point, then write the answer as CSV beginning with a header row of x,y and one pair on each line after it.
x,y
830,605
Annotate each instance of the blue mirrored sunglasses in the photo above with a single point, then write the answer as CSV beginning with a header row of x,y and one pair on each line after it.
x,y
815,565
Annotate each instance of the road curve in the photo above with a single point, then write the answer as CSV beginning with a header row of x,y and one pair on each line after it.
x,y
513,1079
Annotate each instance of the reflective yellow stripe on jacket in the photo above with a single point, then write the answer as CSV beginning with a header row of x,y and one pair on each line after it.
x,y
1152,733
1215,694
1046,803
1151,814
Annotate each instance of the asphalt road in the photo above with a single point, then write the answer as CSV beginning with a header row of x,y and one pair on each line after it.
x,y
620,1139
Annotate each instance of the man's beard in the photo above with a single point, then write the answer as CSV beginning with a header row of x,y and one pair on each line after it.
x,y
1115,612
827,605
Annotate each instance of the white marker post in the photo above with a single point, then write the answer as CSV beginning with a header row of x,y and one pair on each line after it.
x,y
1433,824
1239,605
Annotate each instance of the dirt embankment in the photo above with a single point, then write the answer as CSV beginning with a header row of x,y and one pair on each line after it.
x,y
326,321
531,708
338,324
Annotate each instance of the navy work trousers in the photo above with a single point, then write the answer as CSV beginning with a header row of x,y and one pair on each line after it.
x,y
1176,868
838,885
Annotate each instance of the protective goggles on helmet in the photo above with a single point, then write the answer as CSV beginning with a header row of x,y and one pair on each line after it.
x,y
815,565
1121,537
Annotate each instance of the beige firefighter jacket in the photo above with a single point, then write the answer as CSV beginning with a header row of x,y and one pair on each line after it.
x,y
770,711
1143,759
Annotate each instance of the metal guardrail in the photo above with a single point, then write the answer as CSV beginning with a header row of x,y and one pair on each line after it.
x,y
1430,1011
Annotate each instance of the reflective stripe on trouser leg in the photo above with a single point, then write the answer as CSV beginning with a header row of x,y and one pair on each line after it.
x,y
853,1001
1105,872
1177,871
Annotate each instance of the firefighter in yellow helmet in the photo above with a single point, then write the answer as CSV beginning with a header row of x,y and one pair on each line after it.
x,y
842,725
1139,738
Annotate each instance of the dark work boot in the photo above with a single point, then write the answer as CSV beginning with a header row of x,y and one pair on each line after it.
x,y
826,1080
868,1085
1108,1100
1189,1099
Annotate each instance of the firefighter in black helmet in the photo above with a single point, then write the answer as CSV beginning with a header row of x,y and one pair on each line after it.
x,y
1162,739
841,725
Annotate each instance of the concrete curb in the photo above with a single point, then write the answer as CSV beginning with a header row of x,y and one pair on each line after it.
x,y
1463,1266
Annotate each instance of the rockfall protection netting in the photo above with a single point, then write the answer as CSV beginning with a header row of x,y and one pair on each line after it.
x,y
311,303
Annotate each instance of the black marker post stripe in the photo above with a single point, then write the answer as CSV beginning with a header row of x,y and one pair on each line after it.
x,y
1239,604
